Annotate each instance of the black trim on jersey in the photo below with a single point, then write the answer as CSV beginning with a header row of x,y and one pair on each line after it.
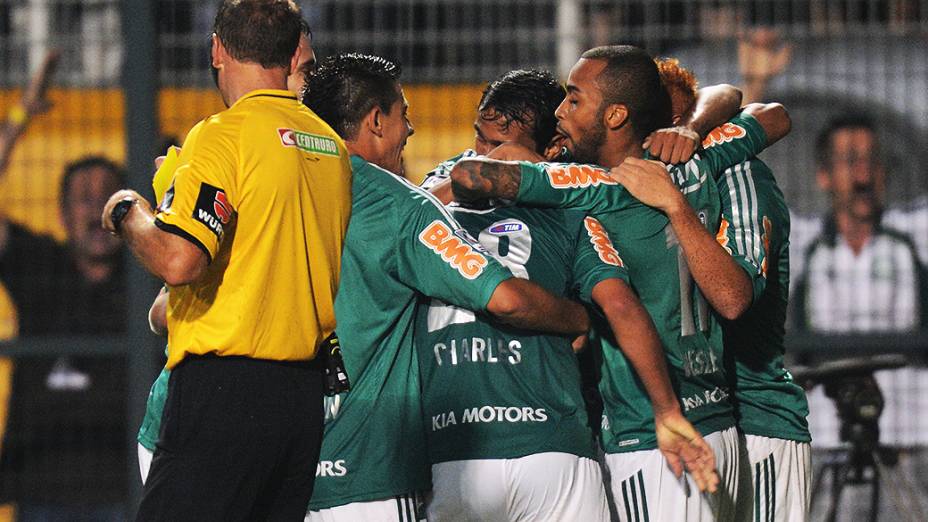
x,y
273,96
177,231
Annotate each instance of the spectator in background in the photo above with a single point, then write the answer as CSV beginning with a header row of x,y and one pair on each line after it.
x,y
861,276
69,460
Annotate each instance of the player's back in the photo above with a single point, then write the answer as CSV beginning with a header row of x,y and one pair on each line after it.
x,y
768,402
496,392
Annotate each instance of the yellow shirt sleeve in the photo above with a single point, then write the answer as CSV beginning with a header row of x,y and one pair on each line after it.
x,y
201,201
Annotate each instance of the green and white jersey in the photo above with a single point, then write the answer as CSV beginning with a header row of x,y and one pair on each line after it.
x,y
401,245
690,333
755,230
496,392
154,408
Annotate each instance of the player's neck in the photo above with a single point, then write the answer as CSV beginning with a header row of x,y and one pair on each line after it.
x,y
613,154
243,78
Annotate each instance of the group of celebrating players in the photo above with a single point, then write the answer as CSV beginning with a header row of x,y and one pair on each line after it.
x,y
626,218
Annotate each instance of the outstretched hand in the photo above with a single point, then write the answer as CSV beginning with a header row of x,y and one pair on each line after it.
x,y
34,99
684,448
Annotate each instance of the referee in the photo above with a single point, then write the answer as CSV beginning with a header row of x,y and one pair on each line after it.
x,y
249,240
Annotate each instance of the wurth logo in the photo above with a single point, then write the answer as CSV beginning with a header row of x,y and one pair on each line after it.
x,y
453,250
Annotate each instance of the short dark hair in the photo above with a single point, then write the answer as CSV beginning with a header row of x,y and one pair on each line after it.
x,y
345,87
528,97
86,163
852,120
631,78
266,32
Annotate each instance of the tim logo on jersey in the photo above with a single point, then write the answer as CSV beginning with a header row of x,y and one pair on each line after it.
x,y
577,176
724,133
213,209
457,249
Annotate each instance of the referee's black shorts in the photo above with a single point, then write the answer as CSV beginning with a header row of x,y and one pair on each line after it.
x,y
239,440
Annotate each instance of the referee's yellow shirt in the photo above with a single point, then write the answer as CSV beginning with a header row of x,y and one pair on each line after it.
x,y
264,189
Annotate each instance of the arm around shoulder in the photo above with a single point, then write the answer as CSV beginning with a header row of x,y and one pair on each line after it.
x,y
773,117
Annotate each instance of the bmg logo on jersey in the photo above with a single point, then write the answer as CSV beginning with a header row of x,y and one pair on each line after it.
x,y
601,242
213,209
578,176
724,133
461,254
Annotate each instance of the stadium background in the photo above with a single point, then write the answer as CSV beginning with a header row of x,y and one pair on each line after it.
x,y
133,76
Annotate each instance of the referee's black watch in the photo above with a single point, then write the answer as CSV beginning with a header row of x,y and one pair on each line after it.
x,y
120,211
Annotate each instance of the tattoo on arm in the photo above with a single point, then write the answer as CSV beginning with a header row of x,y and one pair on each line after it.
x,y
478,179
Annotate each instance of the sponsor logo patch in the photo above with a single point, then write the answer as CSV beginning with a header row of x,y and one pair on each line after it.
x,y
721,237
307,142
506,228
723,134
459,253
768,231
213,209
578,176
601,242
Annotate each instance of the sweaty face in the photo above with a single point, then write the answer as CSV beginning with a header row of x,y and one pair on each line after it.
x,y
493,129
396,129
307,63
88,191
580,118
855,177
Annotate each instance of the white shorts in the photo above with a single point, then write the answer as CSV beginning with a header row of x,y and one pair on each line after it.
x,y
145,456
401,508
540,487
781,472
645,488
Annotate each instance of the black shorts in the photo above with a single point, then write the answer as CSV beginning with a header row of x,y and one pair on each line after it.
x,y
239,440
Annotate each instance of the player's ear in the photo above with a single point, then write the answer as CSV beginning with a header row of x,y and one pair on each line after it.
x,y
217,52
374,121
295,60
615,116
823,179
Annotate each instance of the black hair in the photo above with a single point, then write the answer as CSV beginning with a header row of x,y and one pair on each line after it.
x,y
631,78
85,163
528,97
345,87
266,32
853,120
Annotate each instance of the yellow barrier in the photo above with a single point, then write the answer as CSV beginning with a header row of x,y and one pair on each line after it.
x,y
91,121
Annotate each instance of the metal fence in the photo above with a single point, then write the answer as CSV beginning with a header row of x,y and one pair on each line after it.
x,y
133,77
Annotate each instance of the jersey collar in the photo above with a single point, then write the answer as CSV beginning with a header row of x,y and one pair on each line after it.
x,y
266,93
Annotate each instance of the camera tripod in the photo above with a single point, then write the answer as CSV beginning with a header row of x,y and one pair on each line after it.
x,y
859,403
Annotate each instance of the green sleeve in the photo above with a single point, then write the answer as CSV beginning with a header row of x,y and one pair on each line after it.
x,y
561,185
738,140
596,259
437,257
744,221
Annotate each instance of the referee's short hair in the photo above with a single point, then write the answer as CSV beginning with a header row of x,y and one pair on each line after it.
x,y
266,32
345,87
630,78
527,97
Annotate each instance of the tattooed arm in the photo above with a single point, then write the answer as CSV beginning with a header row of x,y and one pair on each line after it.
x,y
477,179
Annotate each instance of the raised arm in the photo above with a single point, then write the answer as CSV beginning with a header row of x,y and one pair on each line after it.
x,y
725,285
714,106
773,117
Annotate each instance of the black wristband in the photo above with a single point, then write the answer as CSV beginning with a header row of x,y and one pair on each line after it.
x,y
120,211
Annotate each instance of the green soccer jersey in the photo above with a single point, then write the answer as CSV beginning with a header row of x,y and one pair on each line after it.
x,y
401,245
154,407
690,334
755,230
495,392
